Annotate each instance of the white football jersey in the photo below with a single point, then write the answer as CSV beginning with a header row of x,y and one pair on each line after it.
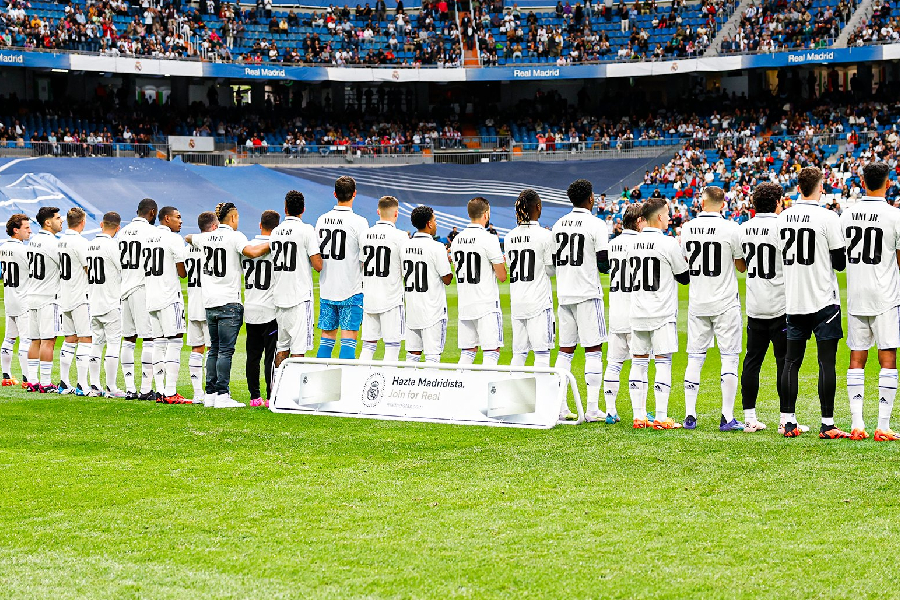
x,y
163,250
131,252
872,232
259,305
380,254
339,232
43,266
72,262
104,274
474,252
620,281
193,264
529,256
711,244
14,263
765,267
579,236
653,261
293,243
222,266
807,234
424,263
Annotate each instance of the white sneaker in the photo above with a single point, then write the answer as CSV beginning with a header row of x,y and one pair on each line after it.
x,y
209,400
802,428
199,399
224,401
592,416
753,426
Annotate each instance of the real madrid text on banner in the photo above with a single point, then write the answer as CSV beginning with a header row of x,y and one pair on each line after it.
x,y
499,396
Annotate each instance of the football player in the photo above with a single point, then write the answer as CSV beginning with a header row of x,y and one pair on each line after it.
x,y
73,304
380,254
711,245
426,272
582,253
340,285
104,274
14,263
43,290
479,268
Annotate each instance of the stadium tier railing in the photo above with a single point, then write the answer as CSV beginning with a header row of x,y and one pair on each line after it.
x,y
81,149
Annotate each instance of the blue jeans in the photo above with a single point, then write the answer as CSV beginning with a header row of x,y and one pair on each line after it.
x,y
224,324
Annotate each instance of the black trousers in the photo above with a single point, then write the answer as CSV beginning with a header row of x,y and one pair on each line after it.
x,y
760,334
261,339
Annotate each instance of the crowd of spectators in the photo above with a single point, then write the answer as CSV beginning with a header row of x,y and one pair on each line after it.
x,y
881,28
777,25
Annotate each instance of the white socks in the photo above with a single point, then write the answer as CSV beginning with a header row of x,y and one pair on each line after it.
x,y
518,359
127,358
542,358
195,368
490,357
692,383
46,370
856,392
111,365
172,366
66,357
662,387
33,370
729,384
611,386
24,344
466,357
160,345
146,366
887,390
433,358
392,351
94,364
6,354
593,379
413,358
564,362
82,365
637,386
368,350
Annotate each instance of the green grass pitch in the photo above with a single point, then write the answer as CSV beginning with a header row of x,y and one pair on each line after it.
x,y
116,499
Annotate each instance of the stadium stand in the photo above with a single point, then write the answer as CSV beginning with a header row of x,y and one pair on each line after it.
x,y
774,25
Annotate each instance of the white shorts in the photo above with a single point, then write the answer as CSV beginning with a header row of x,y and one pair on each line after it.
x,y
197,334
429,340
77,321
17,327
536,334
485,333
44,323
168,322
389,325
881,331
727,329
135,318
107,329
619,349
655,343
582,324
295,328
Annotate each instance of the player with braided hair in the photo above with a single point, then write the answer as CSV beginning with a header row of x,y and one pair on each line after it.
x,y
529,254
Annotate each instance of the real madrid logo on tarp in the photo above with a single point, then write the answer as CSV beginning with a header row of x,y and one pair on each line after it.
x,y
373,390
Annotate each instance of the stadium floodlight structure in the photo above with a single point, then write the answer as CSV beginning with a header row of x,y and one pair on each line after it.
x,y
498,396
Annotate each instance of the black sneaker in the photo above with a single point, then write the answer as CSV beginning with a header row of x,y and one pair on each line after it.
x,y
791,430
132,396
151,396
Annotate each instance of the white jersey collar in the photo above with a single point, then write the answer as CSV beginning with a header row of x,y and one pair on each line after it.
x,y
651,230
72,232
710,214
140,220
419,234
40,231
475,225
347,208
224,226
15,241
530,224
629,232
164,228
873,199
293,218
261,237
581,210
104,235
380,222
808,202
